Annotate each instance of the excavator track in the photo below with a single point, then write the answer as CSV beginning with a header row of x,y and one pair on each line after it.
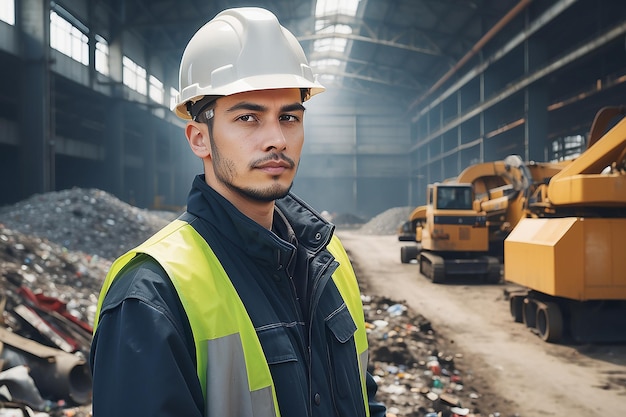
x,y
436,268
432,267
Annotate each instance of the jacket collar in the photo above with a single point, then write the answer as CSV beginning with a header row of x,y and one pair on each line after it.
x,y
311,231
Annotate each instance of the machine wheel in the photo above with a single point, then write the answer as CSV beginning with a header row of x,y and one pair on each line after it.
x,y
529,313
516,306
408,253
549,322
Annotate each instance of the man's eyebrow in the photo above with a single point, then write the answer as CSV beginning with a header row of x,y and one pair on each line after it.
x,y
244,105
292,107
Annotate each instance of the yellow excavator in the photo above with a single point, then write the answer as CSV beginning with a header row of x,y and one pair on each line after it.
x,y
462,227
568,253
454,237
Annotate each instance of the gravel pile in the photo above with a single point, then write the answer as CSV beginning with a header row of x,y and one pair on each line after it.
x,y
387,222
347,220
86,220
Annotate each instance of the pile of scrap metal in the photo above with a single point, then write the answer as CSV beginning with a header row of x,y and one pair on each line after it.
x,y
43,352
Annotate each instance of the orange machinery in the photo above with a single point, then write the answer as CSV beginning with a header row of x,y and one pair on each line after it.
x,y
569,253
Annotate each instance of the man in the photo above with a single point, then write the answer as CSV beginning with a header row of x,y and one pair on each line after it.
x,y
247,304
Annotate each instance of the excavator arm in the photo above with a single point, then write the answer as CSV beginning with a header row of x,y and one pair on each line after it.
x,y
598,176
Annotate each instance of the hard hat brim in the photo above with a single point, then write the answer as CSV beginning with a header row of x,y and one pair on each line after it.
x,y
255,83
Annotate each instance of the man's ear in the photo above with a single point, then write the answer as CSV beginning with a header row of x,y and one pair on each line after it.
x,y
198,140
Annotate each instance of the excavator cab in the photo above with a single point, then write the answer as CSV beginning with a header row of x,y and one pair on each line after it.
x,y
458,197
451,223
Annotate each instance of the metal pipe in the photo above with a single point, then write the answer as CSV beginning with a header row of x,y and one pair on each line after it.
x,y
57,374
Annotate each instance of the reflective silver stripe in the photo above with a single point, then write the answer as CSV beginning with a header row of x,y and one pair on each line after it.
x,y
263,402
228,392
363,358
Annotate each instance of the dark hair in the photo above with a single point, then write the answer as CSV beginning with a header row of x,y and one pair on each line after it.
x,y
305,94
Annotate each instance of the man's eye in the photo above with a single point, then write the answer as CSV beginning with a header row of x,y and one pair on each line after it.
x,y
289,118
246,118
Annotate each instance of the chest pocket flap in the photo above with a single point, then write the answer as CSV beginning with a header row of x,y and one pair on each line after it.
x,y
341,324
277,346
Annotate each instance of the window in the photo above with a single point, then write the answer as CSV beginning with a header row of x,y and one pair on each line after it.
x,y
102,55
68,39
156,92
134,76
566,148
173,95
454,198
7,11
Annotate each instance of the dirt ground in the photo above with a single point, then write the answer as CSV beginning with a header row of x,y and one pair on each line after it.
x,y
522,374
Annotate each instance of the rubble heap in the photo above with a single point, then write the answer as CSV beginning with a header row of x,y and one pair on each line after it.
x,y
55,250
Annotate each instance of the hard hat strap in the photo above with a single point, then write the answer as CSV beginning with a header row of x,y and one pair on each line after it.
x,y
199,109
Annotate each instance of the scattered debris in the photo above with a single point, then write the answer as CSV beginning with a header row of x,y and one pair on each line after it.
x,y
416,376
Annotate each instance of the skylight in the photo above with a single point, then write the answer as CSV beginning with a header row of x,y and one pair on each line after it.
x,y
333,7
330,45
327,45
7,11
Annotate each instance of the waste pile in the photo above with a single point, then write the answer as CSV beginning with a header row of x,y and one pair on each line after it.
x,y
417,374
55,250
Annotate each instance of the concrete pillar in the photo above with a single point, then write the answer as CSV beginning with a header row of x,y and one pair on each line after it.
x,y
489,83
150,176
114,148
36,153
536,127
536,105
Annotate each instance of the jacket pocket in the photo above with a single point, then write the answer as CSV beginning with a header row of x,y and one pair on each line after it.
x,y
343,355
276,345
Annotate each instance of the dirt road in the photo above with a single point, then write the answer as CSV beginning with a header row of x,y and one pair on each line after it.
x,y
528,375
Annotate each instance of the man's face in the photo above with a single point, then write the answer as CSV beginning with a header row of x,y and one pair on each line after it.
x,y
255,145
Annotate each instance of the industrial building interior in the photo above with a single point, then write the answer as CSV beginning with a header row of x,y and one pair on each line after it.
x,y
417,90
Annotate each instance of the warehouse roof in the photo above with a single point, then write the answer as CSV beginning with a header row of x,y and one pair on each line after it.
x,y
400,47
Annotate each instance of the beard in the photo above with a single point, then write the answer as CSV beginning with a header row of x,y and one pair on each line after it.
x,y
274,192
225,172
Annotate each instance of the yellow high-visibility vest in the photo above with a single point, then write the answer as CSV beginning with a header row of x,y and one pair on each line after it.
x,y
227,345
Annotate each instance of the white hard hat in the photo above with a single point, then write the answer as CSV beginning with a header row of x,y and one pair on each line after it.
x,y
241,49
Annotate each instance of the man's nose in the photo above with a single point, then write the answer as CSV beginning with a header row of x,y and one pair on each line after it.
x,y
274,136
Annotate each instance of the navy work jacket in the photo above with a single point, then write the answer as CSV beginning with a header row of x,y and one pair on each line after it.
x,y
143,355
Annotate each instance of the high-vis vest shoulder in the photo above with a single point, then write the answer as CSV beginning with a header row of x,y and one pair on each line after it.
x,y
227,346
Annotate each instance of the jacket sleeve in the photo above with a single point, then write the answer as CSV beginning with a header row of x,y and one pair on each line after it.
x,y
377,409
140,358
